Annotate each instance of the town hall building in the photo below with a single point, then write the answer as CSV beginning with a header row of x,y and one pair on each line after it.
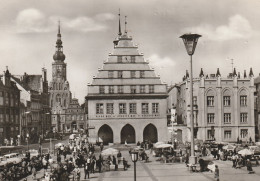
x,y
126,100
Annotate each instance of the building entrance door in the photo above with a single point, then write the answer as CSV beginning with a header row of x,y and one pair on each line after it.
x,y
128,134
106,134
150,133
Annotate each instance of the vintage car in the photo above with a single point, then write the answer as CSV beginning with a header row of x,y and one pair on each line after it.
x,y
3,161
34,153
14,158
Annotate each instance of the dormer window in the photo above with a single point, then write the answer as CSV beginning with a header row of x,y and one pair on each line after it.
x,y
119,59
120,74
141,74
132,59
132,74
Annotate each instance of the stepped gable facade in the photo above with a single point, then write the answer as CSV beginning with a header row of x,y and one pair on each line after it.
x,y
126,100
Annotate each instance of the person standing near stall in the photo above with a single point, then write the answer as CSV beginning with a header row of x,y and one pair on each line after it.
x,y
216,173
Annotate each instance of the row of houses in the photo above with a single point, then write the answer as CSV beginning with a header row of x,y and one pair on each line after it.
x,y
127,102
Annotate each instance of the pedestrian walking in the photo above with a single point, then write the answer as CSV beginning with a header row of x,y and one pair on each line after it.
x,y
249,166
216,173
86,170
33,172
77,173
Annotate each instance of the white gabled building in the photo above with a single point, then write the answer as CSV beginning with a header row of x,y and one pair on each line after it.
x,y
126,100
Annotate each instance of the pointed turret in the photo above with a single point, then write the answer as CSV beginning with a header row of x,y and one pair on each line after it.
x,y
234,72
119,28
245,74
251,73
59,56
201,73
187,74
218,73
125,25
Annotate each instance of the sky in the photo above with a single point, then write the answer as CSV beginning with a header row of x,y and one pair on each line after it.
x,y
229,29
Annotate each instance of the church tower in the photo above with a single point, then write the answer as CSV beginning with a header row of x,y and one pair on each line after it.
x,y
59,89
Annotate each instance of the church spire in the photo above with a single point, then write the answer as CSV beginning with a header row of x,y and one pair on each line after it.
x,y
59,48
119,31
125,25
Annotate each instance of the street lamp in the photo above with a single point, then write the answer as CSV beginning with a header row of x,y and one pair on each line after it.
x,y
190,41
134,157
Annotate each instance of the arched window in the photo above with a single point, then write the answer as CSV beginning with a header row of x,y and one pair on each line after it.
x,y
64,103
58,98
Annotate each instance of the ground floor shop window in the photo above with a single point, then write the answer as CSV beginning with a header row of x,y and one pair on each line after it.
x,y
243,133
210,135
227,134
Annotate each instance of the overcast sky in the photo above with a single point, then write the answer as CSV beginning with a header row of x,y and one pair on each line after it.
x,y
229,29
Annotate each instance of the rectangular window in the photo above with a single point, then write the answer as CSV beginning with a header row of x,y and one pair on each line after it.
x,y
132,108
11,100
210,101
16,100
110,108
142,88
132,74
99,108
145,108
243,117
210,118
142,74
1,115
227,118
119,59
102,89
132,59
6,117
1,98
6,98
155,107
194,100
122,108
243,100
133,89
227,134
151,88
210,134
243,133
110,74
120,74
120,89
111,89
226,101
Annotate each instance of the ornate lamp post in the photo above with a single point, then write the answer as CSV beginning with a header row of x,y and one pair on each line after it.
x,y
190,41
134,157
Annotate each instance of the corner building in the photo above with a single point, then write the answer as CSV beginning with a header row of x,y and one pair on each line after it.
x,y
126,100
223,107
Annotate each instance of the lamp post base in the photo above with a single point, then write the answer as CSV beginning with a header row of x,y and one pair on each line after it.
x,y
192,160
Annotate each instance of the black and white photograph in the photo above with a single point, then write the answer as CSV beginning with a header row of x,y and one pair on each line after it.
x,y
129,90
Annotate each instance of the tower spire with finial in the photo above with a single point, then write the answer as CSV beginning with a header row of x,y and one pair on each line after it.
x,y
59,27
119,31
125,24
59,48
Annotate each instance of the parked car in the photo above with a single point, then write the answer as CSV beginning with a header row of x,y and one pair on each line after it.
x,y
33,153
3,161
14,158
